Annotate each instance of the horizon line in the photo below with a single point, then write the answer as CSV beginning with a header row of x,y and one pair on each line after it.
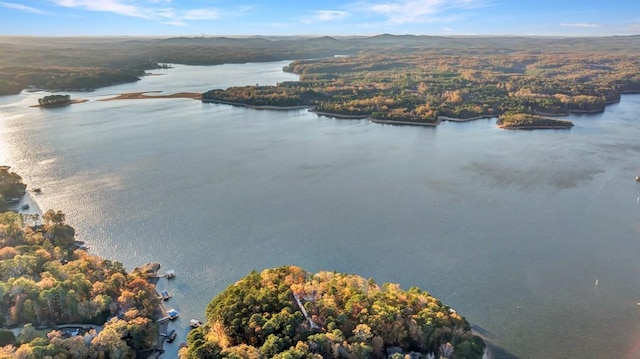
x,y
205,36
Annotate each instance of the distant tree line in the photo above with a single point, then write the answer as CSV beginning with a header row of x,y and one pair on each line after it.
x,y
86,63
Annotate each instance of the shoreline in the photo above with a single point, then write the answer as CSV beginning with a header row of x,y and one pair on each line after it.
x,y
62,104
407,123
160,313
340,116
455,119
256,107
548,114
534,127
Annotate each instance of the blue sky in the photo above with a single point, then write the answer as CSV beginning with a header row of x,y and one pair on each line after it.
x,y
318,17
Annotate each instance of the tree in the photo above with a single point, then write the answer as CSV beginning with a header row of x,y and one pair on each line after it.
x,y
7,337
110,343
55,217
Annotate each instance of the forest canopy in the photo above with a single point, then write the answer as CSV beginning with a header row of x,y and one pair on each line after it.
x,y
422,87
46,281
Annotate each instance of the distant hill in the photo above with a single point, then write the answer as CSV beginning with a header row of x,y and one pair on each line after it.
x,y
82,63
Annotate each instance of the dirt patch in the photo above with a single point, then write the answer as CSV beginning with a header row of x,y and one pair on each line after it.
x,y
143,95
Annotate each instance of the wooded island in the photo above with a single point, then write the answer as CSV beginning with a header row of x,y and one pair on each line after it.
x,y
54,100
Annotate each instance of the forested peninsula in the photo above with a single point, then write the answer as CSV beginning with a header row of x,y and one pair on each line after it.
x,y
522,121
287,312
391,79
422,88
58,301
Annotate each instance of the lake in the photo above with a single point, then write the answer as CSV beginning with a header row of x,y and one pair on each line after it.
x,y
510,228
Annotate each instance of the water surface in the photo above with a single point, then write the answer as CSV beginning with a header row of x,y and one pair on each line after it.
x,y
511,228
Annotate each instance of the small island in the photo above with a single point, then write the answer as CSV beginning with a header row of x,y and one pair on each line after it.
x,y
525,121
56,101
287,312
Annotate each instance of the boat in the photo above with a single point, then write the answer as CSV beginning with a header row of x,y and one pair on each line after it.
x,y
170,274
195,323
165,295
171,336
37,190
172,314
25,207
637,178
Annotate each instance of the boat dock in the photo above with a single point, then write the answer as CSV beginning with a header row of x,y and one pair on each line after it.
x,y
170,274
164,295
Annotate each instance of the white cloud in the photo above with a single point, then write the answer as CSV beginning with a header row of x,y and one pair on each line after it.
x,y
159,10
201,14
420,11
579,24
10,5
329,15
113,6
324,16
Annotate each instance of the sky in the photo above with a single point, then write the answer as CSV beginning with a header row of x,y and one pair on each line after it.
x,y
318,17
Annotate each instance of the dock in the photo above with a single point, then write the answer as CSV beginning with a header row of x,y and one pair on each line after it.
x,y
164,295
172,314
170,274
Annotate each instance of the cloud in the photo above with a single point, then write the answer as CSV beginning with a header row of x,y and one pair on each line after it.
x,y
159,10
324,16
10,5
200,14
579,24
329,15
420,11
113,6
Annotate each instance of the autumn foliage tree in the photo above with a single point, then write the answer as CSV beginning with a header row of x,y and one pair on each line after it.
x,y
346,315
46,280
